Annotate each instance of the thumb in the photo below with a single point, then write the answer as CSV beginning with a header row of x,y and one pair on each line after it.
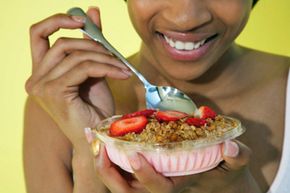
x,y
147,176
94,14
236,155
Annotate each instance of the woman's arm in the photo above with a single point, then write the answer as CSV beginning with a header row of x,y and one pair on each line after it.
x,y
67,92
47,153
49,162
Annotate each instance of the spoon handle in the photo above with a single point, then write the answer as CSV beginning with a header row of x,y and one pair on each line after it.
x,y
92,30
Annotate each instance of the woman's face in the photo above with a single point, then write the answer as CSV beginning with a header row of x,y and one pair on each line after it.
x,y
184,38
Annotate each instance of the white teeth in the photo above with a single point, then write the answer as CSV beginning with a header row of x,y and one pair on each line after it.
x,y
189,46
179,45
197,45
171,43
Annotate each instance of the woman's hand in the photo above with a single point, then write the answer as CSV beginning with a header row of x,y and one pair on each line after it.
x,y
231,176
68,77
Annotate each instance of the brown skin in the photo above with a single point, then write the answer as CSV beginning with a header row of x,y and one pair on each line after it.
x,y
239,82
254,100
55,150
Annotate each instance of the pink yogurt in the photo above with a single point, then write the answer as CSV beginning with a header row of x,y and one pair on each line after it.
x,y
174,163
172,159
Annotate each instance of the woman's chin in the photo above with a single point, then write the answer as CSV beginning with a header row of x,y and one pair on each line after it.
x,y
185,75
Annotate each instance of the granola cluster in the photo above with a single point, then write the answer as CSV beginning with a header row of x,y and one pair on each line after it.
x,y
176,131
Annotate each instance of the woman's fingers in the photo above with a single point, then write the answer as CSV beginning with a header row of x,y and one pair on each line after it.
x,y
64,47
78,57
68,83
109,175
235,154
106,171
89,69
40,32
147,176
95,16
61,57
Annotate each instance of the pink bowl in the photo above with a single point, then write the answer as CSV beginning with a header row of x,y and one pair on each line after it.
x,y
171,159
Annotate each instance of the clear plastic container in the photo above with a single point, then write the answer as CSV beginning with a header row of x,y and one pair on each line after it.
x,y
170,159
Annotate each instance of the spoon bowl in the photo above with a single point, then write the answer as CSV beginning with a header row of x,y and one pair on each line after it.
x,y
157,97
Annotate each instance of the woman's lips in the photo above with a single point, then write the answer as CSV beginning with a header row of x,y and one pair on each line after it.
x,y
185,50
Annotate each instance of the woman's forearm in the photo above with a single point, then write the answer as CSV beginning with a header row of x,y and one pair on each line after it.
x,y
84,174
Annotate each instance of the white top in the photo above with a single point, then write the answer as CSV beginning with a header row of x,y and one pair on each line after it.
x,y
281,182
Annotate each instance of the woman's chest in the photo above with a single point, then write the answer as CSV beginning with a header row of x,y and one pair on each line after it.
x,y
261,111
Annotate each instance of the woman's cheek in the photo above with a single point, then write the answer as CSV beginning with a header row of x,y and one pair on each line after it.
x,y
234,16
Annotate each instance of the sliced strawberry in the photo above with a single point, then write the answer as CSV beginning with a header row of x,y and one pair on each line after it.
x,y
146,113
124,126
198,122
206,112
170,115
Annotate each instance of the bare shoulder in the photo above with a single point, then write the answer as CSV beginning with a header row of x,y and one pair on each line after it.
x,y
47,153
266,59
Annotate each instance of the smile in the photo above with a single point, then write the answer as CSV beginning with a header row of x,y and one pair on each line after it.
x,y
187,46
179,45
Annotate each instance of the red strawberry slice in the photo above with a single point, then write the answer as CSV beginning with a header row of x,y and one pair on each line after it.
x,y
124,126
170,115
206,112
198,122
146,113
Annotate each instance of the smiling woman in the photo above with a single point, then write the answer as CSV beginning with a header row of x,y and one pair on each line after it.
x,y
169,43
186,44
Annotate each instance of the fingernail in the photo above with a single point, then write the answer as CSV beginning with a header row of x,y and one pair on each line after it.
x,y
231,149
135,161
88,134
80,19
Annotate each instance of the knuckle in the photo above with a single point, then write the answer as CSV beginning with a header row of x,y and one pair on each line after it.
x,y
33,28
82,66
35,91
77,54
32,88
60,41
86,66
28,86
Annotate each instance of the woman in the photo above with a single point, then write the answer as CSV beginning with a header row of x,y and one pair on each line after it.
x,y
188,44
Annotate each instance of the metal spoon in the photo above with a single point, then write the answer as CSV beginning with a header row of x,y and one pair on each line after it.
x,y
157,97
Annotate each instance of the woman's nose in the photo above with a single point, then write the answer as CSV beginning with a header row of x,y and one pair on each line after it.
x,y
187,14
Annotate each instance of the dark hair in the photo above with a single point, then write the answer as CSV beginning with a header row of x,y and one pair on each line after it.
x,y
254,2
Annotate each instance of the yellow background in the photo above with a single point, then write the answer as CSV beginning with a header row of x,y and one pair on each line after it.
x,y
268,30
